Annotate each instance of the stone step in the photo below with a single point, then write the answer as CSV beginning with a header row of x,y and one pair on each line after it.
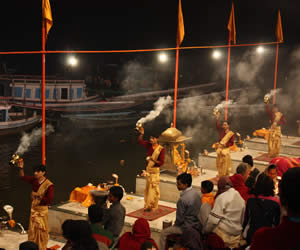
x,y
209,161
167,185
11,240
74,210
287,145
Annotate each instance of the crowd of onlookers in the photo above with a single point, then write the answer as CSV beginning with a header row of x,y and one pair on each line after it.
x,y
248,210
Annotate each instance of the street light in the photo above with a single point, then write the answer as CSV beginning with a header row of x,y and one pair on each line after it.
x,y
162,57
72,61
216,54
260,50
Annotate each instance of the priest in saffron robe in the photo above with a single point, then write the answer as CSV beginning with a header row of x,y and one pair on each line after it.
x,y
155,159
41,198
276,119
223,162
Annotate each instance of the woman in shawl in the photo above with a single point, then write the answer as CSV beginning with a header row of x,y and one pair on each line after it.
x,y
140,234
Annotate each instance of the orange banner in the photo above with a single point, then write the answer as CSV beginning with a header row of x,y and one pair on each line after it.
x,y
47,15
231,26
180,31
279,33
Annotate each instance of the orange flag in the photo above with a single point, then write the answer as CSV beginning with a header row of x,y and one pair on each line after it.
x,y
180,31
279,33
231,26
47,15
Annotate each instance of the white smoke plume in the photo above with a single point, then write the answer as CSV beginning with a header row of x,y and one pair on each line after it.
x,y
222,105
272,93
159,105
28,140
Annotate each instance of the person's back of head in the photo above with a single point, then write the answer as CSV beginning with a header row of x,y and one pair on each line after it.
x,y
264,186
141,228
81,235
117,192
67,229
289,191
244,170
207,187
28,245
248,159
185,178
95,213
147,245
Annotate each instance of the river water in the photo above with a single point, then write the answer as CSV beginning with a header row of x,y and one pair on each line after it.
x,y
76,157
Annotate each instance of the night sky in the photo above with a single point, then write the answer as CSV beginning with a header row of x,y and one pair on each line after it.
x,y
138,24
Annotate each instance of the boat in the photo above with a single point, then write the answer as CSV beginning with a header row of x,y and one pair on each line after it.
x,y
16,122
60,95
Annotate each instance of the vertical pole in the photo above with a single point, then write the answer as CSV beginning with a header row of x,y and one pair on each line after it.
x,y
43,94
275,74
227,79
176,84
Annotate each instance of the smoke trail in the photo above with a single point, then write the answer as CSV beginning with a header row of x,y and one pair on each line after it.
x,y
159,105
272,93
31,139
222,105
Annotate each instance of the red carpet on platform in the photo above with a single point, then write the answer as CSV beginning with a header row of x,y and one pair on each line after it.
x,y
160,212
297,143
263,157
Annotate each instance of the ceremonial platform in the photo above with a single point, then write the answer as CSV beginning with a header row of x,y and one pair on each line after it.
x,y
260,159
74,210
10,240
167,185
290,145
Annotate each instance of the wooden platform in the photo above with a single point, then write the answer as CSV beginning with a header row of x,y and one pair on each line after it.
x,y
74,210
290,145
209,161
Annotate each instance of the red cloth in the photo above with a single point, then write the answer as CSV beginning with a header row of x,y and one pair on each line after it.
x,y
285,236
239,185
140,234
284,163
48,197
271,115
150,151
222,134
214,241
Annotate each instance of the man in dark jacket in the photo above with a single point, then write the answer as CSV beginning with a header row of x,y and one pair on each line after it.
x,y
188,208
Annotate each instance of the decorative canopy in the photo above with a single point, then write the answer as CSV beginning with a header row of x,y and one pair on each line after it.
x,y
172,135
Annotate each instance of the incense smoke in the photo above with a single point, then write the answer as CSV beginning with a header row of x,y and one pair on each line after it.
x,y
28,140
159,105
135,76
272,93
222,105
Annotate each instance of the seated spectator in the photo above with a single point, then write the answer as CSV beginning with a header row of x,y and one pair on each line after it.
x,y
226,218
28,245
67,228
191,239
148,245
262,208
287,234
114,217
95,214
250,182
271,171
140,234
79,235
238,180
207,195
188,208
284,163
